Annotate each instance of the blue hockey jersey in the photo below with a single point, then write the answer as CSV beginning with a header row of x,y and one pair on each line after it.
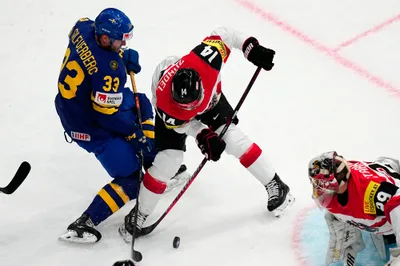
x,y
92,102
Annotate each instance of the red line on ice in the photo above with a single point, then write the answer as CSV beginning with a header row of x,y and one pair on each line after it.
x,y
368,32
359,70
296,237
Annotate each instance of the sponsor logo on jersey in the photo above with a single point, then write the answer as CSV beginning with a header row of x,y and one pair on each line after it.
x,y
110,99
219,44
369,203
80,136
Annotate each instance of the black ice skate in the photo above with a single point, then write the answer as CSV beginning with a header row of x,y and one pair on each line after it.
x,y
279,197
81,231
126,229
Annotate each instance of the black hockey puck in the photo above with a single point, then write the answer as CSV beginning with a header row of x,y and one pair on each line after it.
x,y
177,242
124,263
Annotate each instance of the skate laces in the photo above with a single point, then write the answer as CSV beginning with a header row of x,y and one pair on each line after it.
x,y
272,189
140,219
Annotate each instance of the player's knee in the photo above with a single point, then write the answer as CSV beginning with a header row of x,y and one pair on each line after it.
x,y
126,186
166,164
237,143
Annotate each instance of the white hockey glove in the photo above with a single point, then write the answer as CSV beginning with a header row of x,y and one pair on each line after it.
x,y
394,257
345,241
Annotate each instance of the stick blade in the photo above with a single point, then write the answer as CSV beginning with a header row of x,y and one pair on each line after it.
x,y
19,177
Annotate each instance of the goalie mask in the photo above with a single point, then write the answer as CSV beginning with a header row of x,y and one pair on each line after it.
x,y
328,174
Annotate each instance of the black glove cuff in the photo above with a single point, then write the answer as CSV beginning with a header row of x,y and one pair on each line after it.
x,y
248,45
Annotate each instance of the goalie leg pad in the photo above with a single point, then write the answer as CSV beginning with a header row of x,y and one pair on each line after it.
x,y
344,239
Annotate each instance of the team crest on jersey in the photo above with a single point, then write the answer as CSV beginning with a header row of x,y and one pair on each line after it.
x,y
110,99
114,65
369,196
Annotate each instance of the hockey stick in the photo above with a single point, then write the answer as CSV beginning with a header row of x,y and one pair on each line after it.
x,y
19,177
136,255
150,228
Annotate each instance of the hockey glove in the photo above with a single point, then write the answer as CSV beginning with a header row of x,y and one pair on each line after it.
x,y
131,60
210,145
258,54
139,141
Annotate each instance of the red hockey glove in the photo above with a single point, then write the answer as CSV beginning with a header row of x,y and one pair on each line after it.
x,y
210,145
258,54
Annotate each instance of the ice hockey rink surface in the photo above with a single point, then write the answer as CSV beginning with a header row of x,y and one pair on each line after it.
x,y
335,86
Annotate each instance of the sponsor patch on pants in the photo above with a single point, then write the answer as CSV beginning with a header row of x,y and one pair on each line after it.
x,y
80,136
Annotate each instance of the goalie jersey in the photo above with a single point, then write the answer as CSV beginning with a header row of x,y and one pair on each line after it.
x,y
372,194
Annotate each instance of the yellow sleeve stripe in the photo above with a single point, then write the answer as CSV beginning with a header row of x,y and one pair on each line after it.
x,y
120,192
148,122
148,133
108,200
104,110
103,104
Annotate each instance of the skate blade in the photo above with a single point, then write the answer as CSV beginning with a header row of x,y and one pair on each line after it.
x,y
278,212
72,237
126,236
177,181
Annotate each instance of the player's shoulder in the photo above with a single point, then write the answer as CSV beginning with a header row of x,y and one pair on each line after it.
x,y
84,22
82,25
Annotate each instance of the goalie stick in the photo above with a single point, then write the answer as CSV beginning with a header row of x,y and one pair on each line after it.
x,y
19,177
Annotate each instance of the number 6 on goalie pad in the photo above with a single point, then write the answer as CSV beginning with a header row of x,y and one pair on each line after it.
x,y
345,241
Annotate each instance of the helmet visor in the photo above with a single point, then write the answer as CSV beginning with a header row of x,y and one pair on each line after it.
x,y
127,36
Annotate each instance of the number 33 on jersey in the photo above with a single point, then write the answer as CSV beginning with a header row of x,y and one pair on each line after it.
x,y
89,70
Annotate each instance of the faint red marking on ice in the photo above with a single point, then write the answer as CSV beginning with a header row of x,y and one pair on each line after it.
x,y
368,32
296,237
333,53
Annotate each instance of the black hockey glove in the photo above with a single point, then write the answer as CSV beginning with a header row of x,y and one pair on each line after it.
x,y
210,145
258,54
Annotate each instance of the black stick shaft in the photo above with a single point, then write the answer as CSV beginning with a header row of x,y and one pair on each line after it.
x,y
136,254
